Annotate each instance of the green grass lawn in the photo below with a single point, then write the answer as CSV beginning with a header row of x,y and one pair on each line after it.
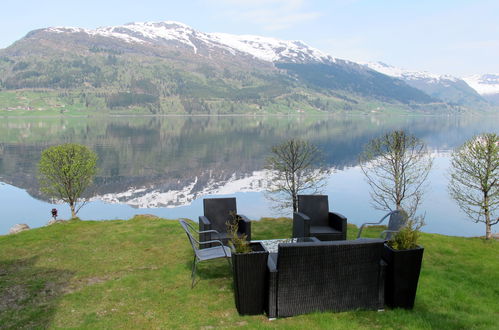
x,y
136,274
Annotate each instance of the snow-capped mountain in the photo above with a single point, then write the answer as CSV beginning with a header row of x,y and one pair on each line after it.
x,y
154,196
444,87
141,65
486,85
262,48
405,74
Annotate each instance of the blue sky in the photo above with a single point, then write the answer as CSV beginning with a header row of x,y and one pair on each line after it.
x,y
441,36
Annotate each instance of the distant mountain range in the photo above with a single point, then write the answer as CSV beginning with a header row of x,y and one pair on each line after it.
x,y
443,87
168,67
487,85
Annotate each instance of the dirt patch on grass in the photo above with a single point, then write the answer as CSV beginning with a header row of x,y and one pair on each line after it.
x,y
12,297
145,216
79,284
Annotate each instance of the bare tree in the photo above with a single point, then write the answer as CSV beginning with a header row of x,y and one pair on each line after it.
x,y
293,168
396,166
474,179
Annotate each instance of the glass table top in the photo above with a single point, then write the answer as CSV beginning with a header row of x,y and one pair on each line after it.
x,y
272,245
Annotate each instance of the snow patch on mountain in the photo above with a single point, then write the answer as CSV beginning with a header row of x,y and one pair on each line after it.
x,y
405,74
484,84
263,48
271,49
104,32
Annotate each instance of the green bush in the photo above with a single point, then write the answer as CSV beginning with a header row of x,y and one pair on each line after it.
x,y
407,237
238,243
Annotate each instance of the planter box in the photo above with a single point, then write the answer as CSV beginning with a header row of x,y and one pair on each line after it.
x,y
402,275
250,280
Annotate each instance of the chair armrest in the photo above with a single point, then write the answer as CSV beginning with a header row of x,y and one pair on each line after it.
x,y
198,231
204,225
219,242
339,222
244,226
301,225
373,223
208,231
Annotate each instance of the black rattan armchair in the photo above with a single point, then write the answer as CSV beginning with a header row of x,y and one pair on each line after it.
x,y
326,276
217,212
314,219
397,220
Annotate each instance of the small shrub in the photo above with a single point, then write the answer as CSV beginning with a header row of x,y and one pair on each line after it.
x,y
238,243
407,237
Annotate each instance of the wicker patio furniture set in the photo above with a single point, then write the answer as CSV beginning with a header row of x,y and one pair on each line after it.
x,y
316,270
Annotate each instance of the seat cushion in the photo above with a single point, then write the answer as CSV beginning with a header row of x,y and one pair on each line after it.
x,y
213,253
323,230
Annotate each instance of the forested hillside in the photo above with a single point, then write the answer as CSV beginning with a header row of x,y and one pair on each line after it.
x,y
160,68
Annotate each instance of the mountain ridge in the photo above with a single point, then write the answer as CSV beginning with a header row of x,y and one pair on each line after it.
x,y
166,67
486,85
444,87
143,32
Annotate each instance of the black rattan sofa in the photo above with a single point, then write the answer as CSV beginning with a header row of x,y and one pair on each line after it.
x,y
325,276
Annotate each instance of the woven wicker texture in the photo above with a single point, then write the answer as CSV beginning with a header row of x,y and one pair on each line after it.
x,y
250,281
217,212
314,219
327,276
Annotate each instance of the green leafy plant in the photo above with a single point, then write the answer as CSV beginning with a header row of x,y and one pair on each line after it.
x,y
407,237
238,243
65,172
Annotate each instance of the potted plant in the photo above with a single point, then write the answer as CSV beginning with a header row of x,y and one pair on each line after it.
x,y
249,267
403,257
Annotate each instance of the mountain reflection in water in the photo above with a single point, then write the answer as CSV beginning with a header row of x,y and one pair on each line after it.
x,y
168,164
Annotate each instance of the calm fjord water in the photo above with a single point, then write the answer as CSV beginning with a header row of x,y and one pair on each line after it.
x,y
166,165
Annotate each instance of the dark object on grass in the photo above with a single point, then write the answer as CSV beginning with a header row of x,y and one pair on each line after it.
x,y
250,280
314,219
326,276
217,249
54,214
217,212
397,220
402,275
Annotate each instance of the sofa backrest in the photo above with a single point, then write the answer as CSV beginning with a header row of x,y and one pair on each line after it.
x,y
316,207
328,276
218,210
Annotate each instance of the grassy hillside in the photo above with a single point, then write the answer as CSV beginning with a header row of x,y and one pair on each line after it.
x,y
136,274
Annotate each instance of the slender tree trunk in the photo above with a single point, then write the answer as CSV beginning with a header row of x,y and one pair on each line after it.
x,y
295,202
73,211
294,192
488,229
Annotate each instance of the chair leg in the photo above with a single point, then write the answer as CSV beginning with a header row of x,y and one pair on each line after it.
x,y
193,273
